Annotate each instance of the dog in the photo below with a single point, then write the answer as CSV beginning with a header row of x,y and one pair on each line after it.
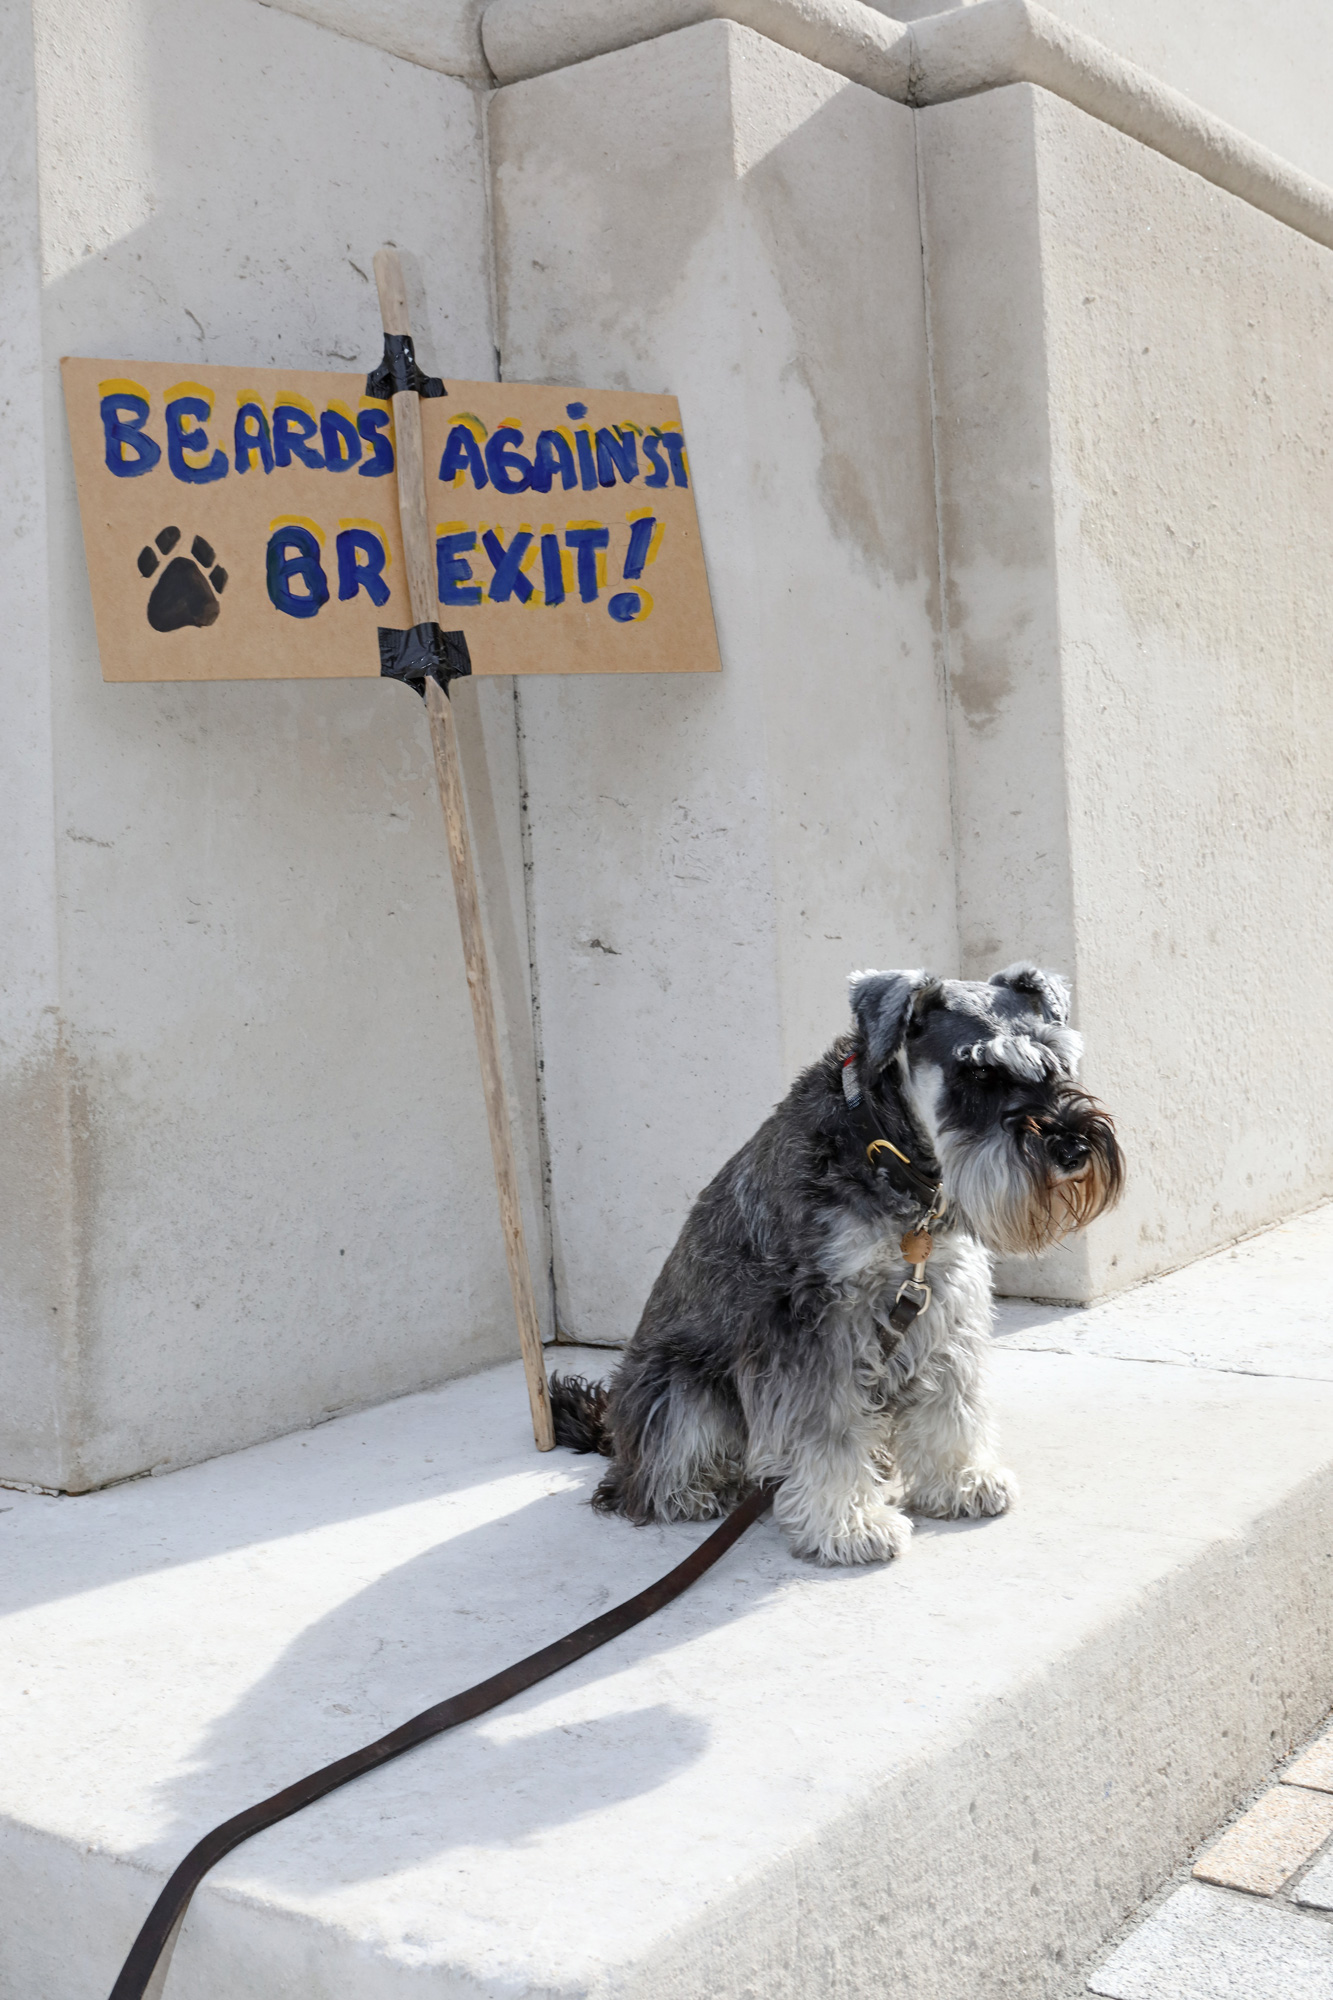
x,y
823,1318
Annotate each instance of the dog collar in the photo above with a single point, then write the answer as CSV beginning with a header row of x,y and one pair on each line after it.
x,y
924,1183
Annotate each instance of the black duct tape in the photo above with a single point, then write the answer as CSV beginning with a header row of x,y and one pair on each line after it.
x,y
423,653
399,371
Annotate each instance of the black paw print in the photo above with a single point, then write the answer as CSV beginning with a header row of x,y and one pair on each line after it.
x,y
182,595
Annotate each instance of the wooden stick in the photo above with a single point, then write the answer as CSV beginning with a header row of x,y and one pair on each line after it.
x,y
449,775
411,467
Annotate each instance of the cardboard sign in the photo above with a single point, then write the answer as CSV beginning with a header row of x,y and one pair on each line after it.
x,y
242,524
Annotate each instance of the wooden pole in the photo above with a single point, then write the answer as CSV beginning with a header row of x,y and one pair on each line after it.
x,y
449,775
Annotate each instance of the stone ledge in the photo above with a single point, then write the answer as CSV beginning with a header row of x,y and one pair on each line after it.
x,y
954,1775
932,61
443,35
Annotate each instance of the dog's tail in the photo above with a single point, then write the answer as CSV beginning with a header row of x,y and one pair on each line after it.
x,y
578,1407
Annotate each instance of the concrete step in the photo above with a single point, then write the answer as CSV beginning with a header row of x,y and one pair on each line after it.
x,y
1262,1928
952,1776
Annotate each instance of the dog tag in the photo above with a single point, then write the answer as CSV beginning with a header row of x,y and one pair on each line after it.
x,y
917,1246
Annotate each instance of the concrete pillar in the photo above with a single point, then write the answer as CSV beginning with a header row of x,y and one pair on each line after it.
x,y
246,1179
1135,419
712,215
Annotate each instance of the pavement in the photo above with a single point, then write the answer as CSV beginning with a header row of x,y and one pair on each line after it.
x,y
957,1775
1254,1918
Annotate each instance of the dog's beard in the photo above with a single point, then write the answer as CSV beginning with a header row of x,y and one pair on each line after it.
x,y
1008,1191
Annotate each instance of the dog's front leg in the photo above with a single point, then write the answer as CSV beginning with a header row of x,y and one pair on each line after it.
x,y
942,1440
811,1427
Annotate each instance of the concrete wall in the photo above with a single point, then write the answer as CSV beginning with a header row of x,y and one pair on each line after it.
x,y
1132,619
711,214
1268,71
440,34
247,1179
1136,466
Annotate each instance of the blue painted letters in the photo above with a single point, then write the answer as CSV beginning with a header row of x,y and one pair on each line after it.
x,y
551,456
342,446
509,580
130,451
183,437
251,438
510,471
361,560
553,575
452,567
617,452
293,557
292,430
462,453
372,424
586,542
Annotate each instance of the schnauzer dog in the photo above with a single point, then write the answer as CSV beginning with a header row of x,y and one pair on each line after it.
x,y
823,1318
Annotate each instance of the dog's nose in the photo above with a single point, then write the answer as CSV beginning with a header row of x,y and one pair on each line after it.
x,y
1068,1150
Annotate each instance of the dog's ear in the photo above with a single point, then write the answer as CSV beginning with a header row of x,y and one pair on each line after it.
x,y
883,1006
1050,988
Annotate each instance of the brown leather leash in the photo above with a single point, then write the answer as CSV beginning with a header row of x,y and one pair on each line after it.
x,y
167,1912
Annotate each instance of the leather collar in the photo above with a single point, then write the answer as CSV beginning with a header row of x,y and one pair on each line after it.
x,y
919,1178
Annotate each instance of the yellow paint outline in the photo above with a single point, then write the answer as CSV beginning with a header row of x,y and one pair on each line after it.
x,y
648,514
371,528
198,389
566,561
298,521
639,616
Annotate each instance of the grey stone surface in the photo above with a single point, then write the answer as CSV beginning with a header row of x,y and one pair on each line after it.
x,y
1207,1944
1316,1889
246,1177
1314,1766
218,897
1259,1308
1266,74
957,51
926,1778
711,857
438,34
1108,589
1125,505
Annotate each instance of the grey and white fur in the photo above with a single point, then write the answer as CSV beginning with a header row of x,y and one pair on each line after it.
x,y
765,1352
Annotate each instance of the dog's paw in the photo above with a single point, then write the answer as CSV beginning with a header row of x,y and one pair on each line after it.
x,y
965,1495
870,1532
690,1503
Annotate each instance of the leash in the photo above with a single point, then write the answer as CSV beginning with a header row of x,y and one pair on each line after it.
x,y
168,1911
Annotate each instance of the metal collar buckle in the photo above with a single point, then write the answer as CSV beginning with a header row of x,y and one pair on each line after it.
x,y
913,1299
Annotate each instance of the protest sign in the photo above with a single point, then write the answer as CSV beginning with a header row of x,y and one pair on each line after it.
x,y
243,524
272,524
